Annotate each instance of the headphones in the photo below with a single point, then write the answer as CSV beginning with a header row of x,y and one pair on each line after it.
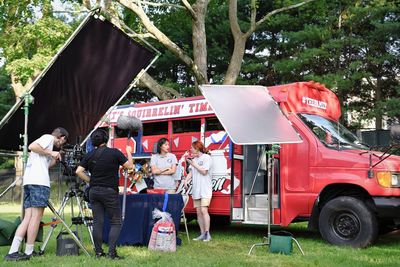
x,y
99,132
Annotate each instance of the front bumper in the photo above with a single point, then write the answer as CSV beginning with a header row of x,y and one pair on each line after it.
x,y
387,207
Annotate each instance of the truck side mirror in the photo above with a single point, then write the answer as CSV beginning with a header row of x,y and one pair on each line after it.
x,y
395,132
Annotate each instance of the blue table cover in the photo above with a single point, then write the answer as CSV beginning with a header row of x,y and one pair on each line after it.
x,y
138,224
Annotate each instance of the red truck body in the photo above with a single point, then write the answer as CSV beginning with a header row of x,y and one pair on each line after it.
x,y
329,179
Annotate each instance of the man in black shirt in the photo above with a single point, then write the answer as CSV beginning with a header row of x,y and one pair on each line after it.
x,y
103,164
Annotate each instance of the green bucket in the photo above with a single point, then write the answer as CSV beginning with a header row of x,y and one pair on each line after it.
x,y
281,243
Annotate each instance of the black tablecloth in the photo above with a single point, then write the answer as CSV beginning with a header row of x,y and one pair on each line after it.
x,y
136,229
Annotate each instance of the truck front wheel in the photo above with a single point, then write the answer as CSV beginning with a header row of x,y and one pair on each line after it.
x,y
347,221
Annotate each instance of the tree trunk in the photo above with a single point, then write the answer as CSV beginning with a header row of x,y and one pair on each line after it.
x,y
199,38
235,63
236,60
87,4
19,89
110,7
378,97
162,92
163,39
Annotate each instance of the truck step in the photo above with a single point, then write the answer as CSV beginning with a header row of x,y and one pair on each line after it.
x,y
260,201
259,215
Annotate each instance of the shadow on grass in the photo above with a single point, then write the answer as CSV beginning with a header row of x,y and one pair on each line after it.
x,y
298,230
389,239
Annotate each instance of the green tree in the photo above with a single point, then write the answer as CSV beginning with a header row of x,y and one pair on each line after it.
x,y
155,20
194,54
351,46
6,93
29,40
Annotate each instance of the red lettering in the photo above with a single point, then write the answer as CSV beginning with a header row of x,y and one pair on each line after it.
x,y
160,111
139,113
203,106
191,106
177,110
167,110
154,112
148,112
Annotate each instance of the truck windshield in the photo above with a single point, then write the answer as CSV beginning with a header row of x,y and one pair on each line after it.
x,y
332,134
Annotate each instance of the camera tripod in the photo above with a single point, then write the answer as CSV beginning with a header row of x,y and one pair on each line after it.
x,y
73,193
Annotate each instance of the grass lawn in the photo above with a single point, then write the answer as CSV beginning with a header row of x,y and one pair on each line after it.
x,y
229,247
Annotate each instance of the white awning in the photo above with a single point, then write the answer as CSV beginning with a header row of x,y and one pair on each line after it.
x,y
249,114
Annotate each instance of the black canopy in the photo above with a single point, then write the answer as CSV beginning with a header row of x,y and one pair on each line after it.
x,y
89,75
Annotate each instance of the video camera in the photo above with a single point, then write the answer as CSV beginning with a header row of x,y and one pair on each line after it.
x,y
70,158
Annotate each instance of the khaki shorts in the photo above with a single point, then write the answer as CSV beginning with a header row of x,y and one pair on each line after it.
x,y
203,202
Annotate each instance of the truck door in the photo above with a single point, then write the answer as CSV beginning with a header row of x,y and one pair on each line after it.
x,y
295,161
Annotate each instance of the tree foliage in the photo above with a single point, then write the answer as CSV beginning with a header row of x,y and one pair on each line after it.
x,y
6,93
29,48
31,36
350,46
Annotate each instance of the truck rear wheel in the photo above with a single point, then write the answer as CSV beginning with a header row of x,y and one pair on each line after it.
x,y
347,221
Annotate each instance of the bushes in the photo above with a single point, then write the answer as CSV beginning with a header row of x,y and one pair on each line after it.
x,y
6,163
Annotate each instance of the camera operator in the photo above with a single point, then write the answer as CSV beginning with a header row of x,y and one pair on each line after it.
x,y
36,184
103,164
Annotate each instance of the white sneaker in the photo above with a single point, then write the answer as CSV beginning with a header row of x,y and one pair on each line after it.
x,y
199,238
207,237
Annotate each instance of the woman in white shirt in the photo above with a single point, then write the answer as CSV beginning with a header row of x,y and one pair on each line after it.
x,y
163,166
200,174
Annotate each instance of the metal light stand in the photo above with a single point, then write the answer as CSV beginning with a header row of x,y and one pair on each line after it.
x,y
271,171
28,99
76,193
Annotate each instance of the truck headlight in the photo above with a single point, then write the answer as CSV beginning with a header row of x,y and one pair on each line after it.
x,y
388,179
395,179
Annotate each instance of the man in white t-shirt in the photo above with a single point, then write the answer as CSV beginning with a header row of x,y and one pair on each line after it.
x,y
36,184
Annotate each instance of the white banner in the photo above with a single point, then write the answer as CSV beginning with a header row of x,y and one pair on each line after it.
x,y
164,111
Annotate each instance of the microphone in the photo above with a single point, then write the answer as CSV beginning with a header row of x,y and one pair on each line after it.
x,y
129,123
395,132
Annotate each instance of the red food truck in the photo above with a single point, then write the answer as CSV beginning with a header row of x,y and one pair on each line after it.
x,y
330,179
